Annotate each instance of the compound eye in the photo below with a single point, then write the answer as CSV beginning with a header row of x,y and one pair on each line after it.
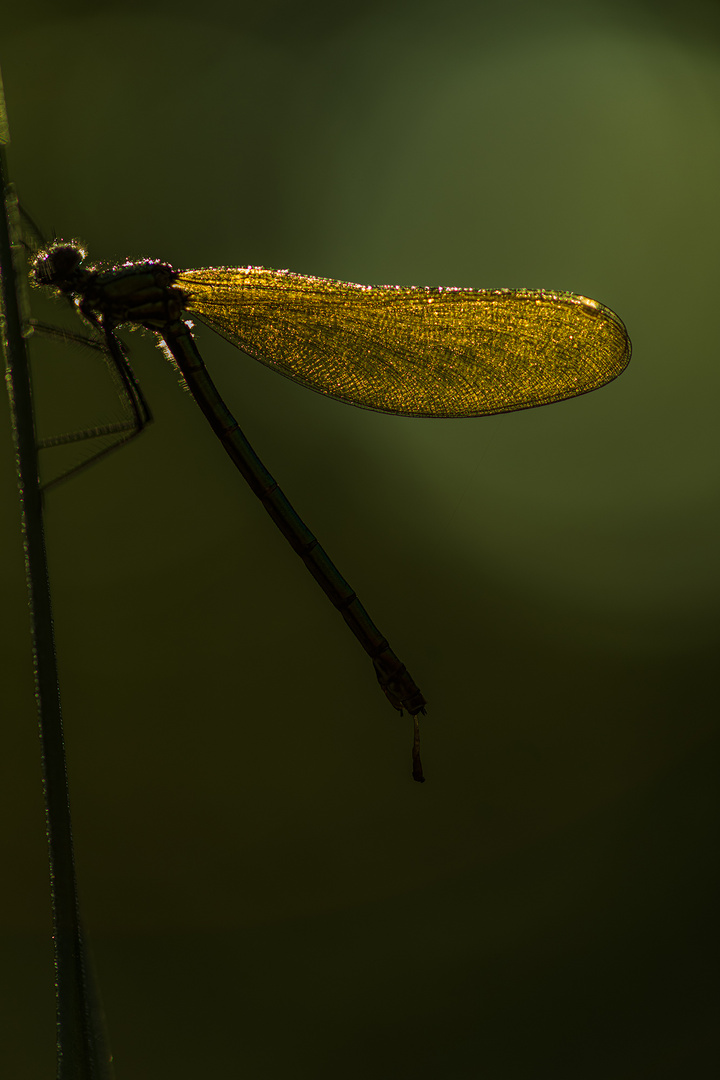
x,y
57,265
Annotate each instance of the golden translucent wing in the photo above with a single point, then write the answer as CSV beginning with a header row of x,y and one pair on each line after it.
x,y
414,351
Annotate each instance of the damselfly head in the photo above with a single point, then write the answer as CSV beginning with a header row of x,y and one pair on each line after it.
x,y
57,266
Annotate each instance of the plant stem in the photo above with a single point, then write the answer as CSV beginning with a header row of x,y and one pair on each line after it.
x,y
79,1043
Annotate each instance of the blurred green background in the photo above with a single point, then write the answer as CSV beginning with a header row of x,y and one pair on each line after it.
x,y
265,890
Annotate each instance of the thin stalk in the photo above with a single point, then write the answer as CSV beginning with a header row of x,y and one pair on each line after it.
x,y
79,1034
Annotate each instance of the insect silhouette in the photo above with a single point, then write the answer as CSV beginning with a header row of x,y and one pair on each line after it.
x,y
424,352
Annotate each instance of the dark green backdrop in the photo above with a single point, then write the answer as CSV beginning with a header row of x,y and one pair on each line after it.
x,y
266,892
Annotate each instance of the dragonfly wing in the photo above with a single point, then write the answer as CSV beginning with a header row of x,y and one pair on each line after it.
x,y
434,352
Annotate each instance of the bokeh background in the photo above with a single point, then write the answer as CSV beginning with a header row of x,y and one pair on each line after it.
x,y
266,891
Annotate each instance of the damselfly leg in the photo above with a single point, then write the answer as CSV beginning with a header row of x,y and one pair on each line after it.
x,y
134,408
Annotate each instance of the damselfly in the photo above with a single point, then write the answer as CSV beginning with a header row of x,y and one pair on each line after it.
x,y
426,352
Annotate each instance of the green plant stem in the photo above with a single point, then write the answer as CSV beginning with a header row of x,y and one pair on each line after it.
x,y
79,1056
